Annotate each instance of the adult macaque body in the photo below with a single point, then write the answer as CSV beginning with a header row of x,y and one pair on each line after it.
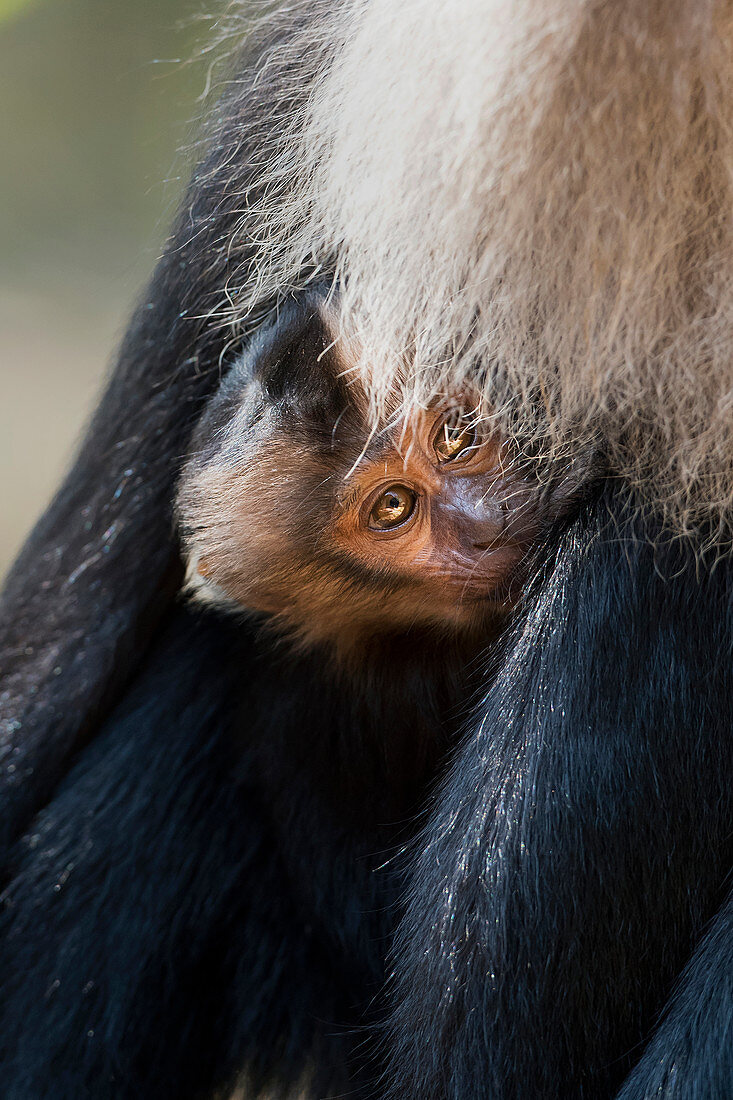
x,y
390,561
531,199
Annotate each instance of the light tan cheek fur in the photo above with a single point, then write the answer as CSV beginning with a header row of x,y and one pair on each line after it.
x,y
540,189
235,524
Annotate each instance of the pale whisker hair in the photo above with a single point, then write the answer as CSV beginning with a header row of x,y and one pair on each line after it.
x,y
581,275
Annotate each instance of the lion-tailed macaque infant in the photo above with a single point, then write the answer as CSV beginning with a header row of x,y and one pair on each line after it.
x,y
291,507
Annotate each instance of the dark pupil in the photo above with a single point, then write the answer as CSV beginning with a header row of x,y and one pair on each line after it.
x,y
455,436
394,507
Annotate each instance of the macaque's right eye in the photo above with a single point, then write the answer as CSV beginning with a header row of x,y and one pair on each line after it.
x,y
395,506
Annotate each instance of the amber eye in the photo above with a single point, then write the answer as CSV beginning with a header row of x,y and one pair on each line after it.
x,y
455,437
393,508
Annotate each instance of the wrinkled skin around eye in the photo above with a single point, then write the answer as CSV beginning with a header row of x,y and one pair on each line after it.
x,y
439,508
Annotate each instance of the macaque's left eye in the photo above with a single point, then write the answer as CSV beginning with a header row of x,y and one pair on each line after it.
x,y
455,437
393,508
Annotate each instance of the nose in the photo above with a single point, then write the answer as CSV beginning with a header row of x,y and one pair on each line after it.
x,y
489,532
476,511
488,545
489,511
485,505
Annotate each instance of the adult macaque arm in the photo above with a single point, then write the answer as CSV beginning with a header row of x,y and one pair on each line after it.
x,y
583,838
690,1055
88,588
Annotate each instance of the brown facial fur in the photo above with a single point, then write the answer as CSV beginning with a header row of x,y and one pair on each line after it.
x,y
276,519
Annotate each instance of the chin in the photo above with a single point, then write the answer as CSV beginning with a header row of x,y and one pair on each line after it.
x,y
478,615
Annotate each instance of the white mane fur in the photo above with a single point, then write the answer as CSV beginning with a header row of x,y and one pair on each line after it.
x,y
536,192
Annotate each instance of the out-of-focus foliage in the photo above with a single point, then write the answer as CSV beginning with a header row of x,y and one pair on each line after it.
x,y
99,101
10,7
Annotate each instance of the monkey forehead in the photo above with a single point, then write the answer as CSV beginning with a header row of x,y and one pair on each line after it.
x,y
408,440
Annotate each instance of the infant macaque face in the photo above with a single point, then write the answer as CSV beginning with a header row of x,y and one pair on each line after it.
x,y
293,507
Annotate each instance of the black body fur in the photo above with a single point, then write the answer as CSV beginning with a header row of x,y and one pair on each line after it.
x,y
581,846
212,888
186,898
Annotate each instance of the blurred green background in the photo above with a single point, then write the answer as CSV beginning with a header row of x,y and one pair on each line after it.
x,y
98,101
